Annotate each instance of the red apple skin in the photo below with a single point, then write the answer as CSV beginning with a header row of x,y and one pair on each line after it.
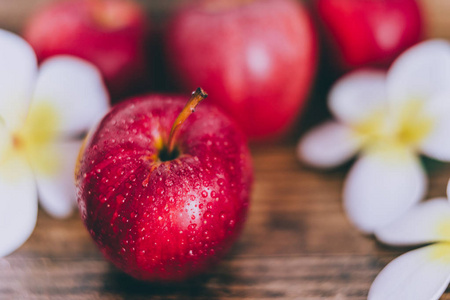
x,y
112,34
256,59
369,33
164,221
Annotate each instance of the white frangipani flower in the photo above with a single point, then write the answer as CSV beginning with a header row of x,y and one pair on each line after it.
x,y
390,118
42,115
424,273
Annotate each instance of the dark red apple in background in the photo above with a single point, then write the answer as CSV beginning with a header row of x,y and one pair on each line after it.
x,y
256,59
361,32
109,33
161,214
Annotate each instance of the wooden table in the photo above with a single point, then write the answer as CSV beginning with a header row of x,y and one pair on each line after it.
x,y
297,243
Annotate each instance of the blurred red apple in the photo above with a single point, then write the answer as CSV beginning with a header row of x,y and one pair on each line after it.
x,y
164,204
363,32
256,59
109,33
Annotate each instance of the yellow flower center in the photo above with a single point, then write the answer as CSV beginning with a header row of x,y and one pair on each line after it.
x,y
441,253
405,129
34,139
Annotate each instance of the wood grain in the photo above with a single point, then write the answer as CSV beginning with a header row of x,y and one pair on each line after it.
x,y
297,243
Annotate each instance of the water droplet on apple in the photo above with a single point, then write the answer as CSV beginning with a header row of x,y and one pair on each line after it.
x,y
204,194
213,194
223,216
160,191
231,223
120,199
221,182
192,226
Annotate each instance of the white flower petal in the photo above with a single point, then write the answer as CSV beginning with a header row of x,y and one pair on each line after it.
x,y
421,73
448,190
18,204
425,223
57,189
358,95
328,145
18,69
382,186
437,143
74,88
421,274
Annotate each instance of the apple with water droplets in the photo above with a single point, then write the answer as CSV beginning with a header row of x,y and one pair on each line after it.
x,y
111,34
368,33
256,58
163,192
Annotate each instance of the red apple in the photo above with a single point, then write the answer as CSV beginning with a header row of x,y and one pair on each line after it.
x,y
375,32
257,59
162,204
109,33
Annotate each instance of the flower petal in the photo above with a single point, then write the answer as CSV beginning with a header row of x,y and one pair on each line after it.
x,y
421,73
57,189
421,274
382,186
328,145
358,95
74,88
437,143
425,223
18,69
18,204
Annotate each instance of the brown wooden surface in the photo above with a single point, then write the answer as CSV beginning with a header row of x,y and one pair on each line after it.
x,y
297,244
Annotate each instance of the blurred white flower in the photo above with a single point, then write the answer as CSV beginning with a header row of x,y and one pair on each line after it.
x,y
390,118
42,116
424,273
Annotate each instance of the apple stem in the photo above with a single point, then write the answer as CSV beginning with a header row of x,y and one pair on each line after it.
x,y
197,96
